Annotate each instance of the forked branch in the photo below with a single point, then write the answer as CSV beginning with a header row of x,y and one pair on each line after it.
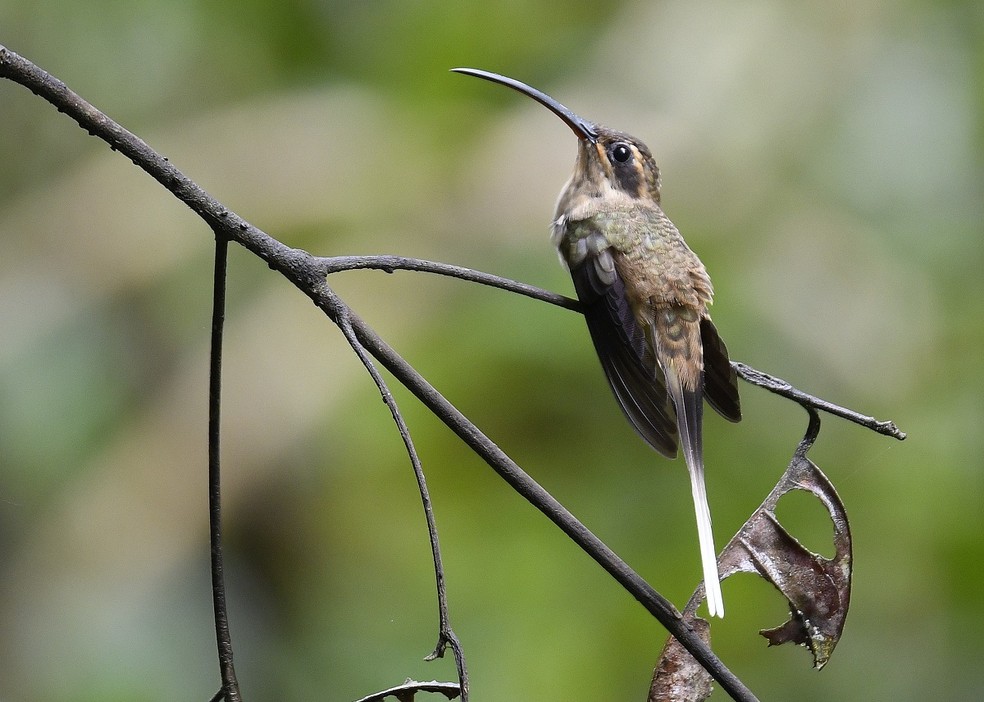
x,y
309,274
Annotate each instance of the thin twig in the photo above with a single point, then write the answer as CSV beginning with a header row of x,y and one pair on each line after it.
x,y
812,432
446,636
389,264
223,638
781,387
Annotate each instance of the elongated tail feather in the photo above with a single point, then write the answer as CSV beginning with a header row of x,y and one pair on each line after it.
x,y
677,338
689,406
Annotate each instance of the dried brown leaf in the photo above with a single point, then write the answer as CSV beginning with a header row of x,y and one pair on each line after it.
x,y
817,589
679,676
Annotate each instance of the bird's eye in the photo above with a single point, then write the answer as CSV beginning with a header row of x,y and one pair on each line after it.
x,y
621,153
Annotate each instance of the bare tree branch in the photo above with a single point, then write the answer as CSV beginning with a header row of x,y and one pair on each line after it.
x,y
223,637
308,273
781,387
389,264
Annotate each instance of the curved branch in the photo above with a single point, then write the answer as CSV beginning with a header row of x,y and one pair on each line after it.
x,y
784,389
446,636
812,432
389,264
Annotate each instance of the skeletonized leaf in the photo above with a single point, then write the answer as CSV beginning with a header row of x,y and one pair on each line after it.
x,y
817,589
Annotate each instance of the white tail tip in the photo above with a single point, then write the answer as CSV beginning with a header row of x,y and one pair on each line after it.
x,y
715,600
708,556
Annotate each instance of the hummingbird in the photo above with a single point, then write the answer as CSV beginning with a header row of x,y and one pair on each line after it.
x,y
645,296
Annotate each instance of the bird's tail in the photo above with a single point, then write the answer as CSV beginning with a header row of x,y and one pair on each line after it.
x,y
689,407
708,554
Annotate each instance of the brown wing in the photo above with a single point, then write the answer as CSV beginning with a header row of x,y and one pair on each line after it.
x,y
632,372
720,379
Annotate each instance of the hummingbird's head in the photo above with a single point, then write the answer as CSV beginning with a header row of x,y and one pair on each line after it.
x,y
610,165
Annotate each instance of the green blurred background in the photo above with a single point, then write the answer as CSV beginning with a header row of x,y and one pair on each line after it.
x,y
825,161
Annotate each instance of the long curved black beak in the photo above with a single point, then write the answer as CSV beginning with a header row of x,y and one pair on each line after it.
x,y
581,127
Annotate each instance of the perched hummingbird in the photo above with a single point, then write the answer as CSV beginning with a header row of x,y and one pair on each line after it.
x,y
645,296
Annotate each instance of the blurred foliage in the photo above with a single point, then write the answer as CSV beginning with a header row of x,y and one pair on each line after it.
x,y
824,160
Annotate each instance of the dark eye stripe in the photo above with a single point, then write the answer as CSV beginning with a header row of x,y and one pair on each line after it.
x,y
629,175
